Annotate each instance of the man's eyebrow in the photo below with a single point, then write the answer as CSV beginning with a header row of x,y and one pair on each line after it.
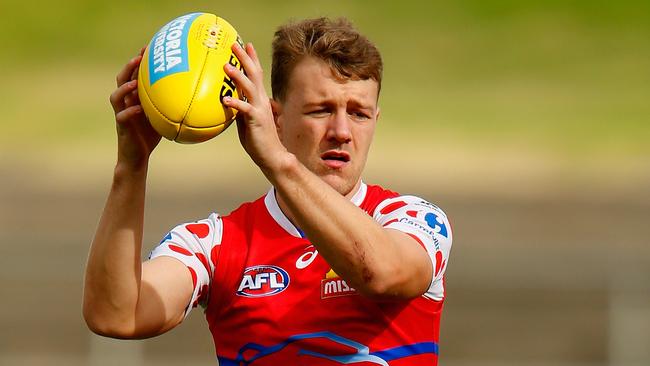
x,y
358,104
314,104
319,103
353,102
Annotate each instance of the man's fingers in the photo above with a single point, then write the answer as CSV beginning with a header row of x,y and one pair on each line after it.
x,y
252,68
127,114
253,54
127,71
131,98
240,105
242,82
117,98
134,74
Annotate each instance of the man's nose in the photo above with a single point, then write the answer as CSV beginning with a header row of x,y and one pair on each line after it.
x,y
339,127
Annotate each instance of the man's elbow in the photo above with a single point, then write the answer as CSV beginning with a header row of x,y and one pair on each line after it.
x,y
107,326
379,292
382,292
391,286
107,330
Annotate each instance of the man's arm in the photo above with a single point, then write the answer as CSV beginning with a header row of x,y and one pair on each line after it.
x,y
123,297
380,263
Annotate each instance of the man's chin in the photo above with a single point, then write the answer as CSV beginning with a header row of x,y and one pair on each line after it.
x,y
340,184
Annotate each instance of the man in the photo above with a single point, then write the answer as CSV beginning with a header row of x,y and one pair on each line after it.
x,y
323,269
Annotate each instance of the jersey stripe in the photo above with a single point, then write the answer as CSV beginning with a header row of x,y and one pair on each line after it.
x,y
408,350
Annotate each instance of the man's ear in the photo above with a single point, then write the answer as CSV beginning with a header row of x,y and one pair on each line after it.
x,y
378,114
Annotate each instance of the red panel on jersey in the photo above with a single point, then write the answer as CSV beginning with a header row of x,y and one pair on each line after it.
x,y
180,250
200,230
392,207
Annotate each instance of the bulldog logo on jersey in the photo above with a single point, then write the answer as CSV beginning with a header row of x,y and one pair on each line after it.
x,y
263,280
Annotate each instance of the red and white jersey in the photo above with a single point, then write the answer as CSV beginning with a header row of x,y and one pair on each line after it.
x,y
271,299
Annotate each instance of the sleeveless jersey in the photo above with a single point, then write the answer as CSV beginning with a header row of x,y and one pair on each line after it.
x,y
271,299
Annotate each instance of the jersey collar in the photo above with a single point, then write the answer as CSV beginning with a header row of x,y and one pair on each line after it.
x,y
276,213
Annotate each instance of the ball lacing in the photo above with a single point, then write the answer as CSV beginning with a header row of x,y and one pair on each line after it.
x,y
213,36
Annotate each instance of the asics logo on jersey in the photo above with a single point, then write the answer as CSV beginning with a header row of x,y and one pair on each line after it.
x,y
305,260
263,280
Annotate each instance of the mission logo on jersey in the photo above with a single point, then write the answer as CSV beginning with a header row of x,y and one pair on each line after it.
x,y
335,286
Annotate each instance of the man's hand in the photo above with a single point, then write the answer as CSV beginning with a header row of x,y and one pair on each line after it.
x,y
136,138
255,123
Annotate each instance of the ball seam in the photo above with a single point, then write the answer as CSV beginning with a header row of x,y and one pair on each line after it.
x,y
196,90
160,113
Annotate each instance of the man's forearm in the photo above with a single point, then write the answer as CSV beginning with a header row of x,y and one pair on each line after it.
x,y
113,270
354,245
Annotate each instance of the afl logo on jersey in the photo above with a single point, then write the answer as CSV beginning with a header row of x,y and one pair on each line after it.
x,y
263,280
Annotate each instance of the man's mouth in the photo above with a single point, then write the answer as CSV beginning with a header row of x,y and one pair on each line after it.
x,y
336,155
335,159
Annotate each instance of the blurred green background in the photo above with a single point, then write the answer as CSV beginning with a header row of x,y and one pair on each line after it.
x,y
528,122
564,78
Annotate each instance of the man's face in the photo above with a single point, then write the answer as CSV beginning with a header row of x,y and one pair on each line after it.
x,y
328,124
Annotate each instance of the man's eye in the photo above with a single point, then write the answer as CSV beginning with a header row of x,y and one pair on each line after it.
x,y
318,112
360,115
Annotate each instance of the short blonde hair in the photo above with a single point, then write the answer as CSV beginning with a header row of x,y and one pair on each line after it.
x,y
349,54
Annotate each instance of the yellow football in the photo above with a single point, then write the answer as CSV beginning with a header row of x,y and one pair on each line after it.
x,y
181,81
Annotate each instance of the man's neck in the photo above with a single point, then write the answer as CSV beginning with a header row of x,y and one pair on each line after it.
x,y
285,209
